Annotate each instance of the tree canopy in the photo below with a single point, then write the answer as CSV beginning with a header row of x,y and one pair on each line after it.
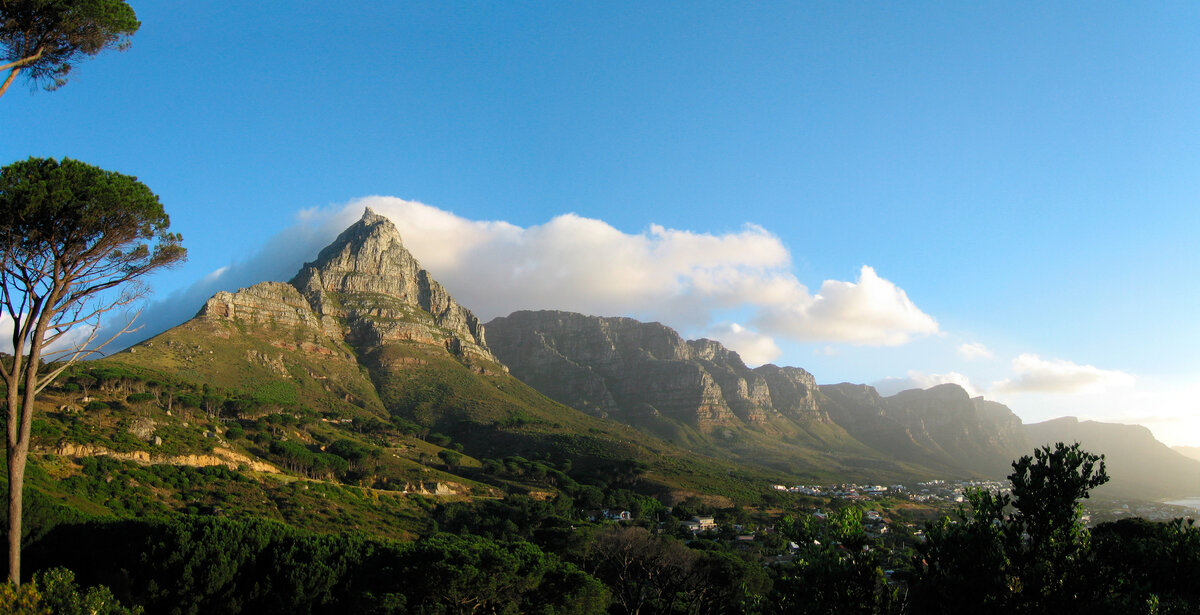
x,y
1021,553
45,38
74,242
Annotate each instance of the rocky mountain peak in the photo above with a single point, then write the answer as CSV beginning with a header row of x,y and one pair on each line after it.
x,y
366,257
365,289
367,279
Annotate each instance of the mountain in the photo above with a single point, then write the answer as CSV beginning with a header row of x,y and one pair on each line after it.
x,y
941,427
1139,465
646,374
363,334
700,394
367,282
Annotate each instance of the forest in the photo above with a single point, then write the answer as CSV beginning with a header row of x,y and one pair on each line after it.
x,y
1021,552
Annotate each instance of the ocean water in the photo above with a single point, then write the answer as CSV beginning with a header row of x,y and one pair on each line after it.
x,y
1193,503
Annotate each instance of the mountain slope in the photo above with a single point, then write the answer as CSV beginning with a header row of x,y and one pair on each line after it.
x,y
1191,452
1139,465
941,427
363,332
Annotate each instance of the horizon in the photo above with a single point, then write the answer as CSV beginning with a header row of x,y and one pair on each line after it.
x,y
897,196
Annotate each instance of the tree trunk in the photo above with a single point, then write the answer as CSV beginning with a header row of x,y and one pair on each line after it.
x,y
17,453
16,482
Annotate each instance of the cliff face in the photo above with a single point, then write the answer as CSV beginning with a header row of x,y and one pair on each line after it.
x,y
940,427
364,289
631,370
646,375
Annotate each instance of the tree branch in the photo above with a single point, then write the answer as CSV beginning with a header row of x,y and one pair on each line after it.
x,y
26,61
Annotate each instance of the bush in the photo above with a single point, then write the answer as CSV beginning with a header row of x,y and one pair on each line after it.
x,y
137,398
55,592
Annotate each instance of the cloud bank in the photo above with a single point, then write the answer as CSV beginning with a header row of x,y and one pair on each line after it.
x,y
1033,374
683,278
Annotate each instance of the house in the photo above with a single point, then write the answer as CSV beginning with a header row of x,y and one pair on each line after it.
x,y
609,515
700,524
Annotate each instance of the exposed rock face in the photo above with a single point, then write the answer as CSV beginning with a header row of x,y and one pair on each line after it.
x,y
632,370
370,282
793,392
220,457
365,289
940,427
269,303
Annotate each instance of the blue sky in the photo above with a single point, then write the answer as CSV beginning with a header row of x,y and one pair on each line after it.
x,y
1021,179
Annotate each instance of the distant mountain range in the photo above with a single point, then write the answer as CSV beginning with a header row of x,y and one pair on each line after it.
x,y
701,394
364,331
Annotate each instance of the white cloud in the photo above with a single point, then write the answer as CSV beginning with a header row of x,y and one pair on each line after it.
x,y
1034,374
869,312
76,336
972,351
585,265
754,348
920,380
215,275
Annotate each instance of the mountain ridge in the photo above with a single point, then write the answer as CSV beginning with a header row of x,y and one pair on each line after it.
x,y
363,330
646,375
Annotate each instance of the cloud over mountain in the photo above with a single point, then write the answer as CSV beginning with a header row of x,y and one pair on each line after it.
x,y
579,264
921,380
1033,374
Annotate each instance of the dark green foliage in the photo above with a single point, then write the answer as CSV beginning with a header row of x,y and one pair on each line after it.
x,y
837,568
195,565
45,39
351,451
1135,564
62,596
1031,557
138,398
654,574
450,458
471,574
54,592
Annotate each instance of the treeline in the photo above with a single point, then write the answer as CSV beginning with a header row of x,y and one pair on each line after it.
x,y
192,565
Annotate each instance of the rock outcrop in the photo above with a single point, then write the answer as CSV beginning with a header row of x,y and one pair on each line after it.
x,y
269,304
633,371
220,457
